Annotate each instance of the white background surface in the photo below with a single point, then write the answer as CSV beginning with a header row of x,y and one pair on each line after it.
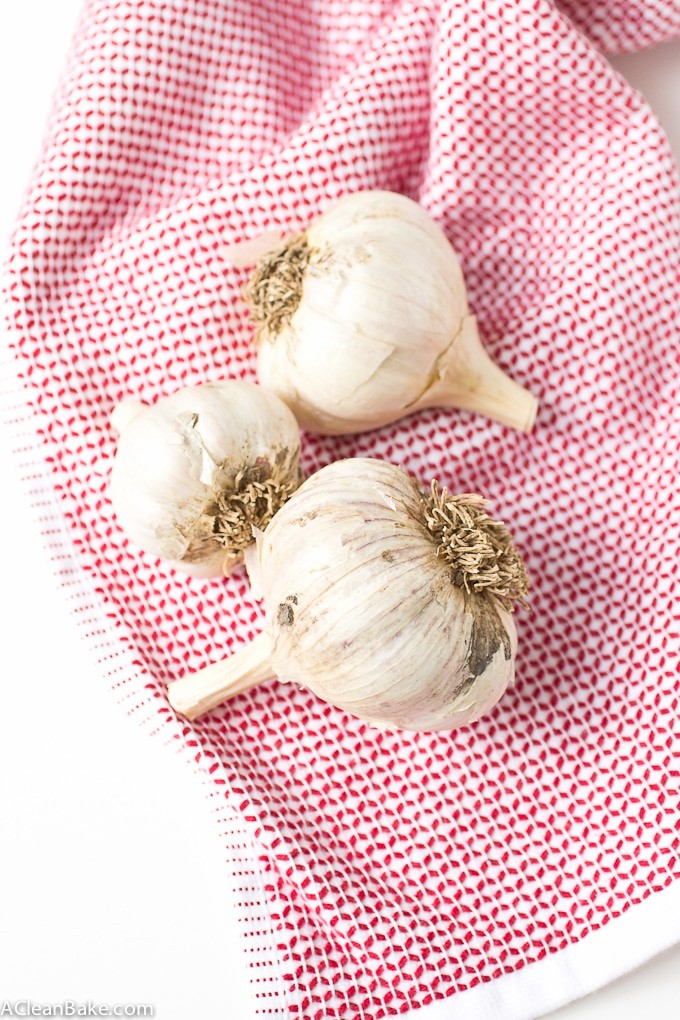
x,y
112,879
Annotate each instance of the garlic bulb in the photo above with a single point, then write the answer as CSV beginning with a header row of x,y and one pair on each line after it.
x,y
363,319
197,470
385,601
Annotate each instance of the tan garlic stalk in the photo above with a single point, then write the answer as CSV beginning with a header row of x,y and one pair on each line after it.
x,y
363,319
195,472
388,602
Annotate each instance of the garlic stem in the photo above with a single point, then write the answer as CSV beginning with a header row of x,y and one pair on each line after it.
x,y
197,693
123,414
469,380
244,254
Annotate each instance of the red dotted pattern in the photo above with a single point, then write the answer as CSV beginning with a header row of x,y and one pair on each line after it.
x,y
619,25
398,869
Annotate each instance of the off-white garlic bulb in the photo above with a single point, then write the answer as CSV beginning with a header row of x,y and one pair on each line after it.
x,y
363,319
388,602
197,470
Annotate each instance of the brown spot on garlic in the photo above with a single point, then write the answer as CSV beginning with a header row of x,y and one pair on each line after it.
x,y
487,636
285,617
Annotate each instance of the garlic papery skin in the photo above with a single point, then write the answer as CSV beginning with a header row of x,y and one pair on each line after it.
x,y
196,471
390,603
363,319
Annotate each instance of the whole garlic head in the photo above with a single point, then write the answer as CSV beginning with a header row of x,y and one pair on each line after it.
x,y
195,472
390,603
363,319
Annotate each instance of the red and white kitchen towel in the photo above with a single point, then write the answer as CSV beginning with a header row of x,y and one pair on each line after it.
x,y
455,874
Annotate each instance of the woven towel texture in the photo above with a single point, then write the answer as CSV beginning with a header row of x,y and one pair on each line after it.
x,y
396,868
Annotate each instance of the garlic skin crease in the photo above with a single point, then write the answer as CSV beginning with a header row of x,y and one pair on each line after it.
x,y
390,603
363,319
197,470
